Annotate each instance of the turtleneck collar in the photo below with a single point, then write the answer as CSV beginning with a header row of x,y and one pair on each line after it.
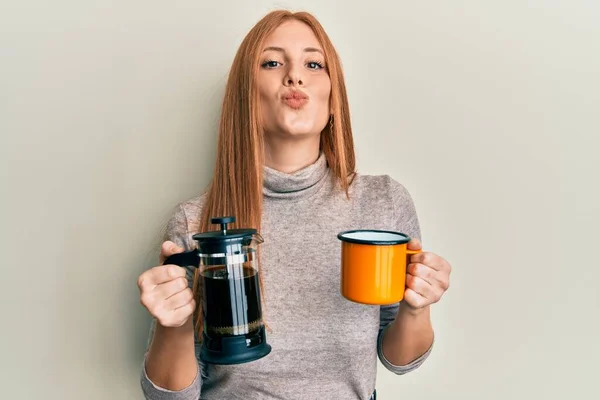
x,y
301,183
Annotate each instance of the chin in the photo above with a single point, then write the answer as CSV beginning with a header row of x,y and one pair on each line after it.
x,y
298,132
300,128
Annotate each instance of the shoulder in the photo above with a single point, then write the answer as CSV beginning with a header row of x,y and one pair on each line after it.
x,y
192,208
184,220
191,211
383,195
379,186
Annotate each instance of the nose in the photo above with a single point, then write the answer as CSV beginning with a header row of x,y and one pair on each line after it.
x,y
293,76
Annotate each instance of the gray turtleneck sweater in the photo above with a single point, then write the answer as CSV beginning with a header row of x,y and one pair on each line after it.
x,y
324,346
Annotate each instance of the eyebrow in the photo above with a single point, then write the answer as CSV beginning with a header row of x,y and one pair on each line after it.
x,y
306,49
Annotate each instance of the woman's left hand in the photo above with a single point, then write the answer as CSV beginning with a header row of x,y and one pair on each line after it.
x,y
427,278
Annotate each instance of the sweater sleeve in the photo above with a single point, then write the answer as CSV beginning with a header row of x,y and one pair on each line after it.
x,y
177,232
405,220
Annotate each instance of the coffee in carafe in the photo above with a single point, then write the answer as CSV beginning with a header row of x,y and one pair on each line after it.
x,y
233,305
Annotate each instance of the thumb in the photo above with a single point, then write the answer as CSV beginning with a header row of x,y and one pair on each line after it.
x,y
169,248
414,244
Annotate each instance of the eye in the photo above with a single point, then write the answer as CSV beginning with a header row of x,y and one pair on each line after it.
x,y
314,65
270,64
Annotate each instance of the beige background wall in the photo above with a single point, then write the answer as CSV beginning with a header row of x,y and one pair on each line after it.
x,y
487,111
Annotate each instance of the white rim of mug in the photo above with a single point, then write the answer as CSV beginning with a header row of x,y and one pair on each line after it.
x,y
402,238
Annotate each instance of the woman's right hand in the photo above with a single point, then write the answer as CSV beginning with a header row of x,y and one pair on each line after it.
x,y
164,290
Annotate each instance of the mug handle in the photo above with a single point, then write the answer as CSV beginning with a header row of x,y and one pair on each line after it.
x,y
184,259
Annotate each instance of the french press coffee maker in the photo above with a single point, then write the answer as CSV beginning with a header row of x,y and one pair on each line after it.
x,y
234,331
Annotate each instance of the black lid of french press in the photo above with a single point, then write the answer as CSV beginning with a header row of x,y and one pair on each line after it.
x,y
224,241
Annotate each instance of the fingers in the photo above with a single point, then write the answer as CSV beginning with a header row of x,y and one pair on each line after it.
x,y
174,317
429,275
422,271
167,249
171,302
421,287
432,260
414,244
179,300
179,316
427,279
164,290
158,275
168,289
415,300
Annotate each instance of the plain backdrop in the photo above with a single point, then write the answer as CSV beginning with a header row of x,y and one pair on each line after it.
x,y
487,111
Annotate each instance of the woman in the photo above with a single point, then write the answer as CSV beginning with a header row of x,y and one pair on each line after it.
x,y
285,165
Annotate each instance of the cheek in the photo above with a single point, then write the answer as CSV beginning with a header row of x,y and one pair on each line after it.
x,y
322,112
323,93
267,89
268,106
265,95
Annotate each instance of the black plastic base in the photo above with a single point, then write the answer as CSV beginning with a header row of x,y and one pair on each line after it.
x,y
235,350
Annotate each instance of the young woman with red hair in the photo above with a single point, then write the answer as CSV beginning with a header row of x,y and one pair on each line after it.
x,y
286,166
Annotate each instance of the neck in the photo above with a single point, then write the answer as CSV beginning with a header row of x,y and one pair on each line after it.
x,y
291,155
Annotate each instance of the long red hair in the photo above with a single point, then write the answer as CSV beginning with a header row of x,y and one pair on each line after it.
x,y
237,184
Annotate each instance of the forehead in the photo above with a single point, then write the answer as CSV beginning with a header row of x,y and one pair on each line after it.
x,y
292,34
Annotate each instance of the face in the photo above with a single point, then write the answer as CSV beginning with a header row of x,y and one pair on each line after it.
x,y
293,82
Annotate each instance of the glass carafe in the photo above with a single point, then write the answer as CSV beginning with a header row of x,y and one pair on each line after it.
x,y
234,330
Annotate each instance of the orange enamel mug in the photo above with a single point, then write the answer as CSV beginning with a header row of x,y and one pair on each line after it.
x,y
373,266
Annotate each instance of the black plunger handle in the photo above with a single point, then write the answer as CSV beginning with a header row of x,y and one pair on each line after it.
x,y
184,259
223,222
